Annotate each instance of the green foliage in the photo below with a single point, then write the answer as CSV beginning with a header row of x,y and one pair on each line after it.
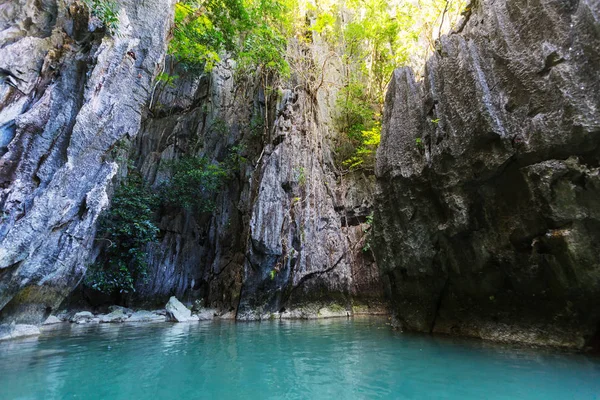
x,y
193,184
272,274
195,181
126,228
166,79
107,12
301,176
372,38
251,31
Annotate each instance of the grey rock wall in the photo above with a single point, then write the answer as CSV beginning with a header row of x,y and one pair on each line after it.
x,y
288,230
82,91
487,217
199,256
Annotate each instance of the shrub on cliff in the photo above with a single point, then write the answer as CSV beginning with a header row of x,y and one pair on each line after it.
x,y
126,229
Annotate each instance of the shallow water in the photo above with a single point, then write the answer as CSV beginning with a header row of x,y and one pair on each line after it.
x,y
338,358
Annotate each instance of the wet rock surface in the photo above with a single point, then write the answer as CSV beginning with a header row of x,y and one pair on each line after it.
x,y
487,214
16,331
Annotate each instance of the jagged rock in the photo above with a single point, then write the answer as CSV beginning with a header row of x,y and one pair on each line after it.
x,y
177,312
82,317
15,331
52,320
146,316
118,315
487,215
60,140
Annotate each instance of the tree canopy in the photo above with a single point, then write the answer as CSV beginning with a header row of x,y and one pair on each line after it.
x,y
369,39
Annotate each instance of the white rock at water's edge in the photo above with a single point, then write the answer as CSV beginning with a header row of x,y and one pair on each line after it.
x,y
118,315
52,320
177,312
146,316
206,314
15,331
82,317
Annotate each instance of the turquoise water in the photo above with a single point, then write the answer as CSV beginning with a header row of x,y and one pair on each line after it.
x,y
331,359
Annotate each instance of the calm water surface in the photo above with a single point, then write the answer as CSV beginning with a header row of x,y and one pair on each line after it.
x,y
331,359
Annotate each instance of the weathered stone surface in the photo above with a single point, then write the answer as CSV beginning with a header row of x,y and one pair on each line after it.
x,y
118,315
52,320
487,214
287,195
124,310
146,316
82,317
15,331
81,94
199,255
206,314
308,221
177,312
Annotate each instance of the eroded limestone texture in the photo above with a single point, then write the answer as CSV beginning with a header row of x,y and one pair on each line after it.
x,y
487,212
82,91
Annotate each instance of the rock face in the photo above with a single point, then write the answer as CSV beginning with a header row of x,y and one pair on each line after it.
x,y
301,248
487,217
81,93
287,228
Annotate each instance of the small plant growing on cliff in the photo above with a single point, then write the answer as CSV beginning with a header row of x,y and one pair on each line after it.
x,y
301,175
107,12
193,183
125,230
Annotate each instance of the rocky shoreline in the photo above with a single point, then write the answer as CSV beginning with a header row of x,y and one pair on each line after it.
x,y
177,312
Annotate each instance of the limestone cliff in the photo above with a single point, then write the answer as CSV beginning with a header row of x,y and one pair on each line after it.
x,y
287,231
79,92
487,215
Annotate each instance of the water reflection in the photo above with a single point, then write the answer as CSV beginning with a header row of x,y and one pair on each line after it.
x,y
324,359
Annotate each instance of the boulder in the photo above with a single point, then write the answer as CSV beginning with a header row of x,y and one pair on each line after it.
x,y
125,310
146,316
52,320
14,331
206,314
177,312
82,317
116,316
